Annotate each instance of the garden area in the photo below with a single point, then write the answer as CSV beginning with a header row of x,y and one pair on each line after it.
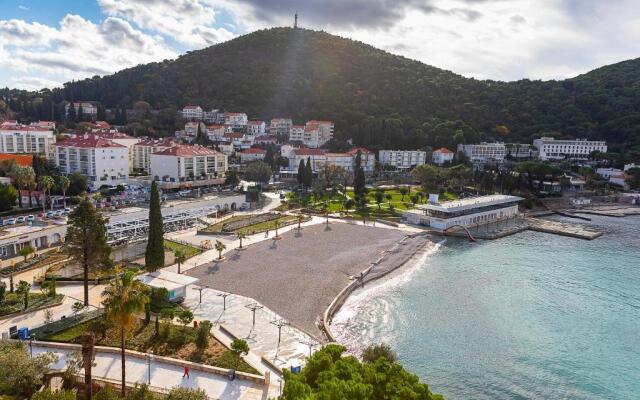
x,y
47,259
250,224
20,299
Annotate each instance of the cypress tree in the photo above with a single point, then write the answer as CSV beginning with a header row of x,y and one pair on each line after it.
x,y
80,114
123,115
301,173
308,175
71,114
358,177
154,255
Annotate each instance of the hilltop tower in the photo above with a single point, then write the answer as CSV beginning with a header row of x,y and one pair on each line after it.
x,y
295,21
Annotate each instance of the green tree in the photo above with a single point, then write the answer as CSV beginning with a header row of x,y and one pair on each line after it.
x,y
47,394
180,393
46,183
240,236
179,257
26,251
154,255
427,174
185,317
167,315
301,173
358,177
77,308
63,185
78,183
22,176
379,197
308,174
3,292
373,352
403,191
23,290
86,241
8,196
232,179
219,246
124,299
239,347
258,171
202,337
20,374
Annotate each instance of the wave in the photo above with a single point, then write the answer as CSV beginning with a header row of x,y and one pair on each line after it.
x,y
367,316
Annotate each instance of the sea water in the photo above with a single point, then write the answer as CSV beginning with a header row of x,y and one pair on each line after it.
x,y
530,316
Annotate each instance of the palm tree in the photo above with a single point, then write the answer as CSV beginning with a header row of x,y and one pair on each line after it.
x,y
63,184
300,218
241,236
277,224
220,248
180,257
124,299
31,186
46,184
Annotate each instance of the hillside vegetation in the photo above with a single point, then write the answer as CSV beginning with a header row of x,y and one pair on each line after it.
x,y
376,98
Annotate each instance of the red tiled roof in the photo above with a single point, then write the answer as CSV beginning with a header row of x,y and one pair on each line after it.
x,y
279,119
88,141
23,128
233,114
443,150
182,150
234,135
314,121
254,150
255,122
190,107
21,159
354,151
297,126
106,134
266,138
309,152
156,142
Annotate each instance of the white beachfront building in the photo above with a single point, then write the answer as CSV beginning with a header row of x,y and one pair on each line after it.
x,y
577,149
256,128
465,212
484,152
183,163
442,156
36,138
143,149
103,161
402,159
192,112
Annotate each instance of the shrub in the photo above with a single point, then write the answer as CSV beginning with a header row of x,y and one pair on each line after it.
x,y
372,353
202,339
186,394
49,395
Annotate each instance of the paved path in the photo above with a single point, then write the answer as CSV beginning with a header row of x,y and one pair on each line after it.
x,y
168,376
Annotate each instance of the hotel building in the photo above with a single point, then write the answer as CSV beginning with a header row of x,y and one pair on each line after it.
x,y
578,149
33,139
484,152
402,159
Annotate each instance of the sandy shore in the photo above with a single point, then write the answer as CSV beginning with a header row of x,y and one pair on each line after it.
x,y
300,276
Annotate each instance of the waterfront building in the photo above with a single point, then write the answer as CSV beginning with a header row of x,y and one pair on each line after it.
x,y
35,138
103,161
252,154
38,236
465,212
442,156
314,134
143,149
484,152
520,151
402,159
577,149
120,138
319,157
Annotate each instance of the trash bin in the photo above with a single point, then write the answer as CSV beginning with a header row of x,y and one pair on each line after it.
x,y
23,333
231,374
295,369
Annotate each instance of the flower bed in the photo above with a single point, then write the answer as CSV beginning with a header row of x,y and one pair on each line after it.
x,y
39,261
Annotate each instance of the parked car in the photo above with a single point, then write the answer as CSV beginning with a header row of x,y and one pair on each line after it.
x,y
31,217
50,214
58,213
11,221
1,222
20,219
66,211
107,204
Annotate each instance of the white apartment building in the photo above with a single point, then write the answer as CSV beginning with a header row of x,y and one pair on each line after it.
x,y
216,132
287,150
280,126
103,161
120,138
521,151
402,159
321,157
578,149
33,139
192,112
484,152
296,133
184,163
235,119
143,149
317,133
252,154
88,109
442,155
256,128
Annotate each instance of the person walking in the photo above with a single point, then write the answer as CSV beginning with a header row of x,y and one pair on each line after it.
x,y
186,372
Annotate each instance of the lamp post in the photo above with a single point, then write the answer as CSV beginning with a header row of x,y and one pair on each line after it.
x,y
224,300
31,339
149,356
200,289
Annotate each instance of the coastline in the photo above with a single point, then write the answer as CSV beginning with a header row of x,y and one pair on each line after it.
x,y
414,259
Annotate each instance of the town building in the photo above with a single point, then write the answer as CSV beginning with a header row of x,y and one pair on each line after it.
x,y
266,139
296,133
442,156
192,112
256,128
286,150
89,110
143,149
32,139
216,132
120,138
236,120
402,159
577,149
467,212
252,154
320,157
40,237
213,117
280,126
103,161
484,152
188,166
520,151
316,133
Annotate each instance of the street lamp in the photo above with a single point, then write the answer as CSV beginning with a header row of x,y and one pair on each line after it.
x,y
31,338
149,356
224,300
200,289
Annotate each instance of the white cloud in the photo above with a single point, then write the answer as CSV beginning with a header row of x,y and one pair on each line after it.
x,y
33,82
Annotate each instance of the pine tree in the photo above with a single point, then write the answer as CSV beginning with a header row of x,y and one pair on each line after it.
x,y
308,175
154,255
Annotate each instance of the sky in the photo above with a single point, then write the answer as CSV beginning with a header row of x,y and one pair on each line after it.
x,y
44,43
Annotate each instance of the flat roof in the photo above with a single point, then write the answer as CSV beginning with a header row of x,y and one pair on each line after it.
x,y
472,202
166,279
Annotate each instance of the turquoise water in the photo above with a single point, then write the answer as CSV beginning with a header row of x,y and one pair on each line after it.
x,y
531,316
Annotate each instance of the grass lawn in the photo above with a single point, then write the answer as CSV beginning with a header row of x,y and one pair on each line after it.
x,y
14,303
285,220
173,341
189,251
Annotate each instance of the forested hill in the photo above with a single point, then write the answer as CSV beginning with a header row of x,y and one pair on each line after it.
x,y
376,98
